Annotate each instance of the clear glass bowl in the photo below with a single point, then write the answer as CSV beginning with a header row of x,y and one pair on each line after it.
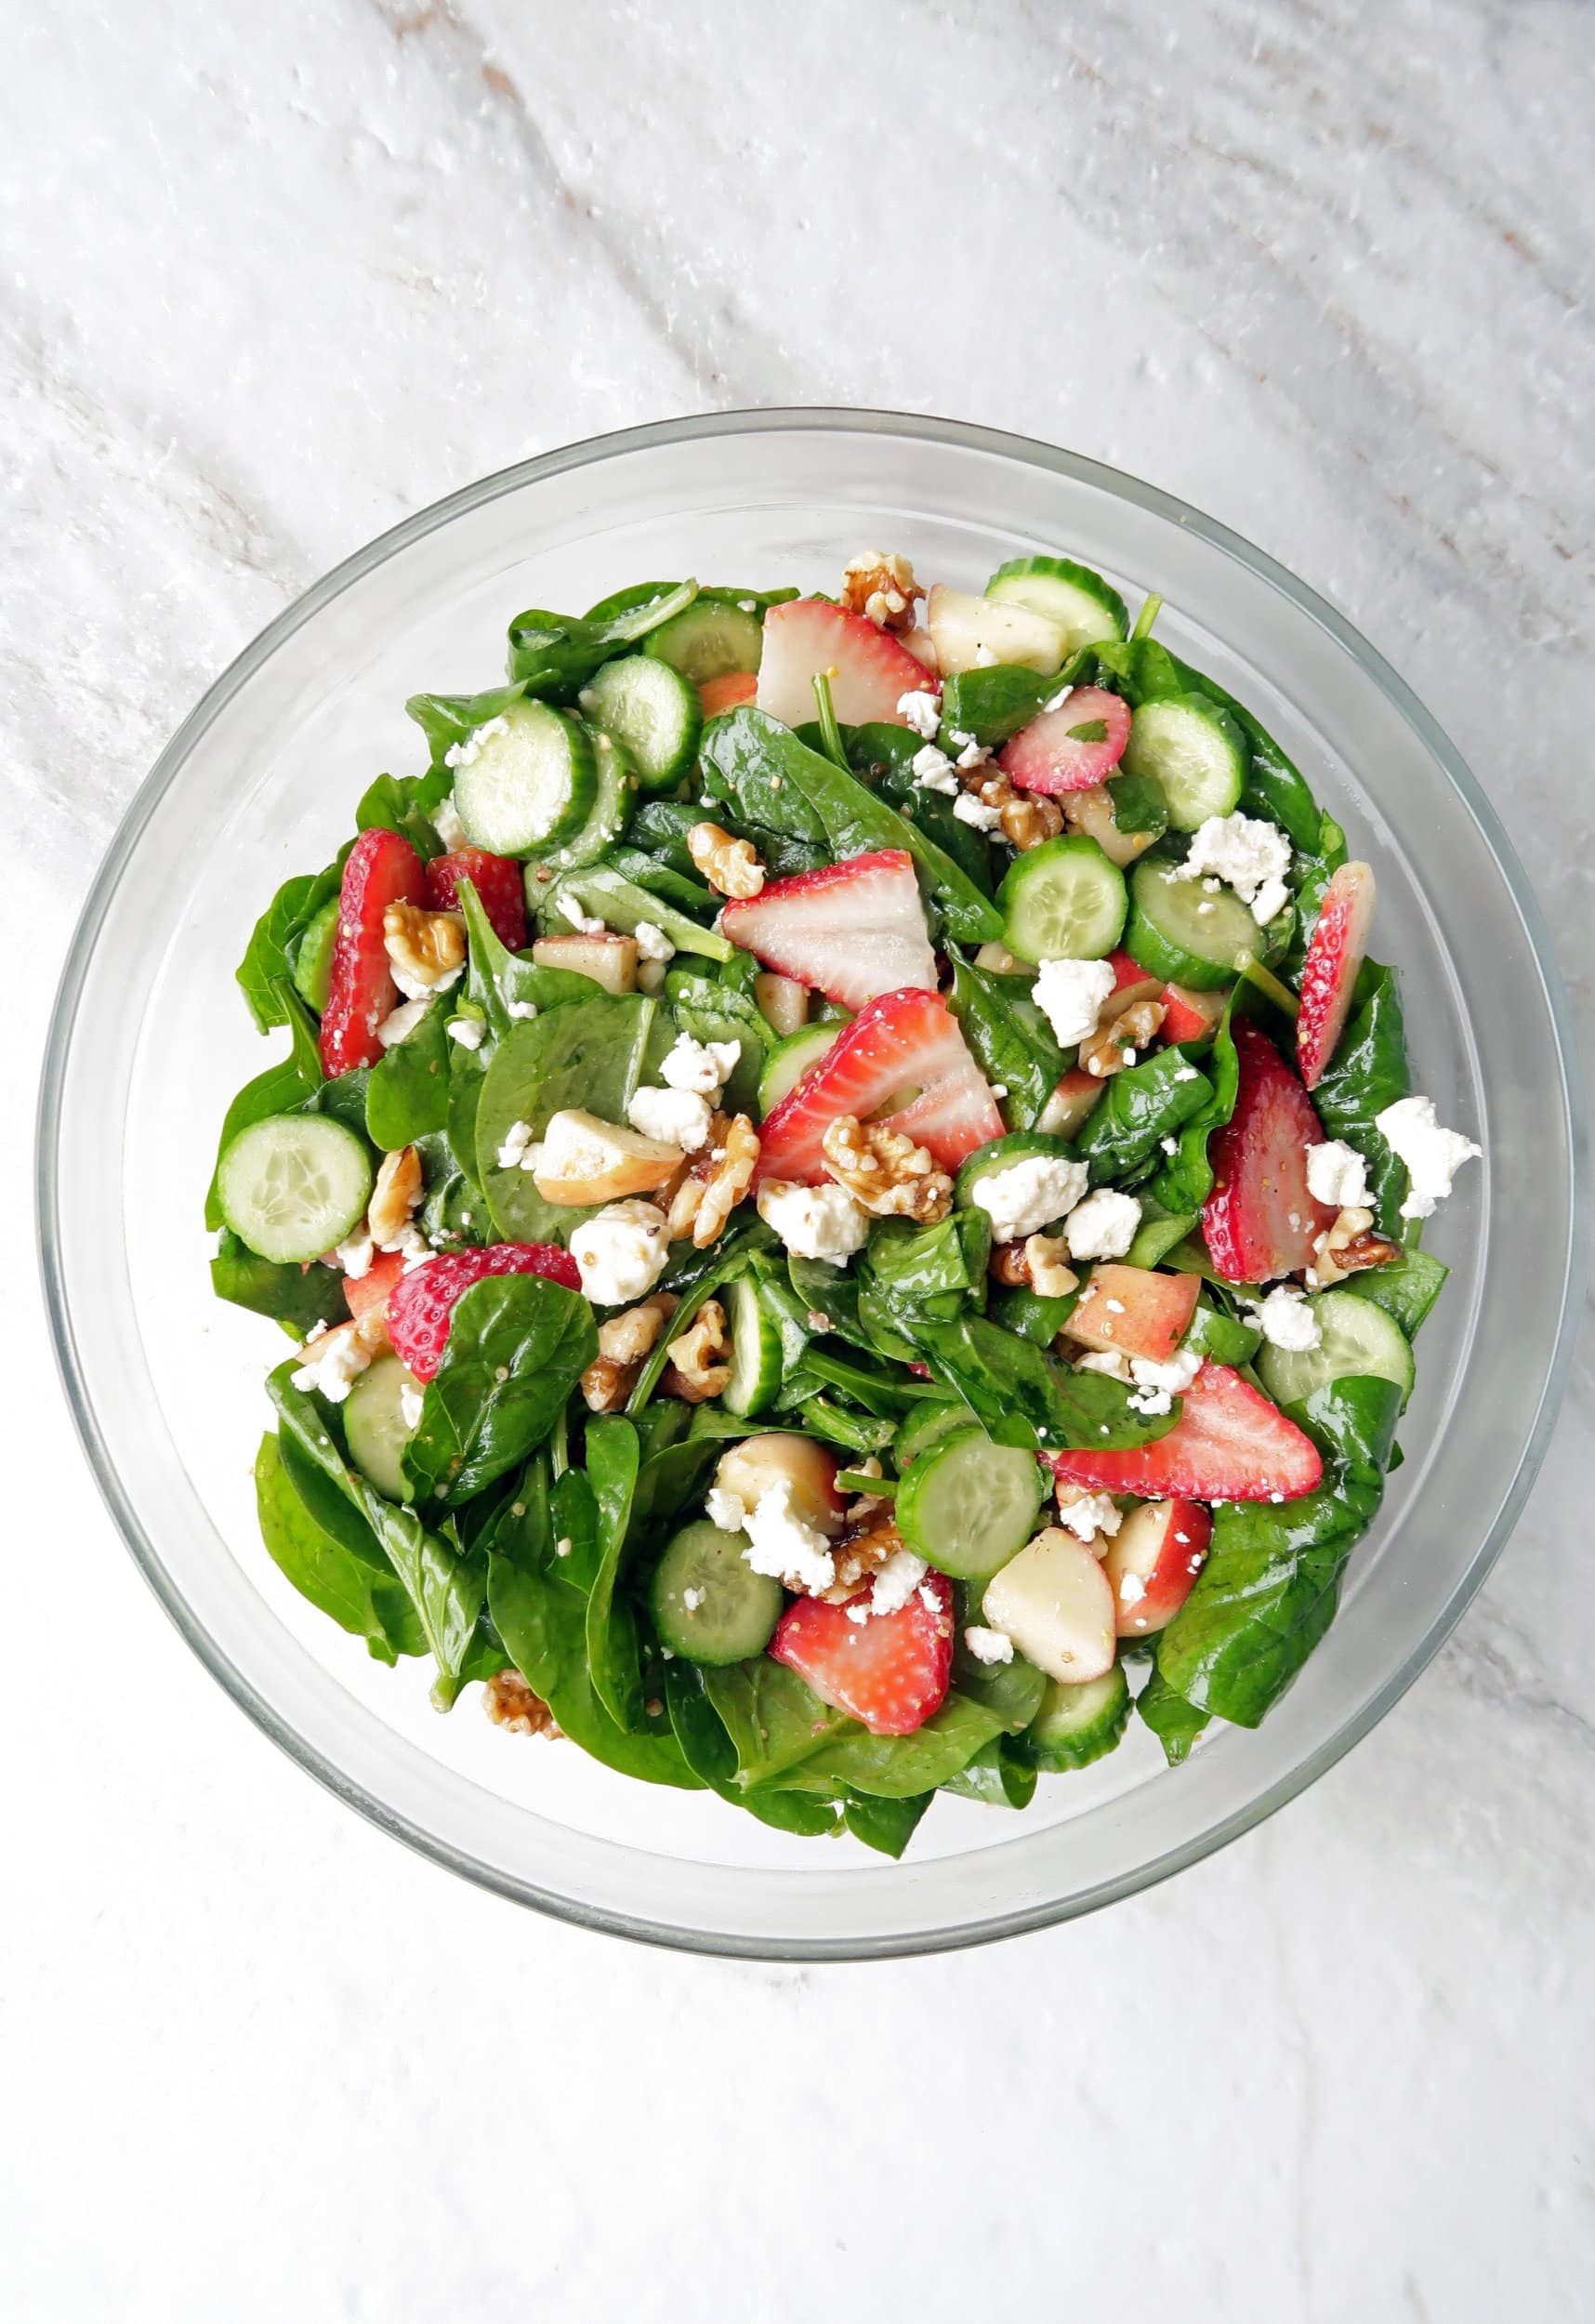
x,y
151,1038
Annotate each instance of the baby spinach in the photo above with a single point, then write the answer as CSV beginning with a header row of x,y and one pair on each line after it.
x,y
712,1012
855,1432
1368,1072
517,1346
701,1273
612,1653
761,768
1011,1041
1023,1398
899,1766
884,756
921,1264
1019,1309
296,1296
660,827
1139,1107
1406,1290
338,1567
553,655
407,1095
1159,1232
589,1055
266,965
711,1755
446,719
503,984
991,704
887,1826
1220,1336
1177,1724
1139,804
1185,1179
995,1776
621,905
687,893
403,803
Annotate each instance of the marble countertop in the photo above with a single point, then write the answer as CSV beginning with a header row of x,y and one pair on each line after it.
x,y
276,276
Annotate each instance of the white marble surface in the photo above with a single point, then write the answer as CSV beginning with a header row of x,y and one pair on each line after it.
x,y
274,277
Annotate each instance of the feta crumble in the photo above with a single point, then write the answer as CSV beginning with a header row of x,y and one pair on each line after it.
x,y
814,1221
447,824
1070,996
1091,1514
896,1581
1432,1156
412,1399
968,808
337,1360
621,1251
704,1067
585,923
1156,1385
725,1508
783,1546
1286,1321
674,1117
933,771
922,711
693,1598
1027,1195
970,754
513,1153
652,941
1103,1226
466,753
988,1645
466,1031
1337,1175
521,1009
355,1253
1251,856
401,1022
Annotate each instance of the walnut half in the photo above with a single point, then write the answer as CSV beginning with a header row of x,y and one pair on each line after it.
x,y
426,950
882,588
731,866
623,1343
1347,1247
510,1704
700,1358
885,1172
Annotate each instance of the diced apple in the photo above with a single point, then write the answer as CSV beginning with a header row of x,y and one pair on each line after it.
x,y
1092,813
583,1159
1001,962
1190,1016
608,959
750,1469
1134,1310
1153,1563
1133,984
1055,1601
921,644
785,1002
969,632
1066,1111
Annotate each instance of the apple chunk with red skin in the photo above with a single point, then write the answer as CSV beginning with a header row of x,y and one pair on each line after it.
x,y
1153,1563
1134,1310
1055,1603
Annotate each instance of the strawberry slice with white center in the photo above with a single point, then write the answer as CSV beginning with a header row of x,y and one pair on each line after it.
x,y
1229,1444
905,1042
852,930
890,1672
1329,971
383,868
1262,1219
868,670
1072,748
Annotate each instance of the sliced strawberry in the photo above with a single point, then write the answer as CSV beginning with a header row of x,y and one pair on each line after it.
x,y
905,1040
383,868
1135,1310
1052,754
367,1292
1262,1219
889,1673
854,931
868,670
1229,1444
419,1308
725,692
1329,971
1189,1016
499,885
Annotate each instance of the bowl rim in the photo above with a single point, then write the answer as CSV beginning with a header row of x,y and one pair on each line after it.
x,y
821,419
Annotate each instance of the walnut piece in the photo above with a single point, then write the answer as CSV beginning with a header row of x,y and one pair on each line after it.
x,y
1027,820
1347,1247
1040,1262
625,1341
396,1194
862,1550
732,1157
885,1172
731,866
510,1704
882,587
1131,1029
1009,1264
700,1358
425,949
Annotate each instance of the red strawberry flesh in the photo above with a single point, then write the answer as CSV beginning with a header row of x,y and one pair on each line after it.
x,y
420,1305
903,1041
383,868
1230,1443
1262,1219
499,887
890,1672
1329,972
869,672
852,930
1051,754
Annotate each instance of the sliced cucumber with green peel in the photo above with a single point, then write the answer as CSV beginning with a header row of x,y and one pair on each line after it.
x,y
1076,1724
790,1059
1359,1340
1193,749
375,1426
710,640
970,1505
1062,901
924,1425
614,796
529,785
756,1349
1019,1145
293,1185
1179,931
312,961
706,1601
647,704
1089,609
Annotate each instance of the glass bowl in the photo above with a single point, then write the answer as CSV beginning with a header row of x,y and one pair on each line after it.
x,y
150,1037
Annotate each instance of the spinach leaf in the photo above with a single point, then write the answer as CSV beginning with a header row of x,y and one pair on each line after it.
x,y
687,893
407,1096
1368,1072
773,1720
991,704
446,719
553,655
709,1753
660,827
1220,1335
296,1297
342,1099
712,1012
446,1593
517,1346
503,984
854,1430
266,965
1138,1109
405,803
1140,669
575,1516
613,1658
876,1391
1177,1724
1406,1290
830,1294
766,773
621,903
1011,1041
1010,1691
922,1264
1158,1233
884,755
341,1573
1138,803
1021,1396
899,1766
1275,787
1185,1181
1019,1309
589,1055
694,1279
995,1776
887,1826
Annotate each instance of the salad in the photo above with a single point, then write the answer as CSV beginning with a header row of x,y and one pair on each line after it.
x,y
846,1193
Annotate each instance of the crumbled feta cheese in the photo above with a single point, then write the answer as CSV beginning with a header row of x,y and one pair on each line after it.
x,y
674,1117
1070,996
585,923
693,1598
1286,1321
1432,1156
725,1508
814,1221
522,1009
412,1399
922,711
1337,1174
466,1031
1132,1589
652,941
621,1251
401,1022
465,754
337,1360
988,1645
1056,702
1028,1195
1110,1363
968,808
970,753
933,771
1186,1073
1176,1375
1168,1145
1253,856
704,1067
420,988
412,1247
1103,1226
355,1254
513,1153
1090,1515
783,1546
896,1581
447,824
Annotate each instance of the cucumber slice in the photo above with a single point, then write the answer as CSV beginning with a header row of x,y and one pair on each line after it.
x,y
970,1505
1086,608
1179,932
710,640
375,1427
924,1425
789,1061
614,793
1064,901
293,1185
755,1351
530,785
1076,1724
1019,1145
1195,750
706,1601
312,962
1359,1339
647,704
